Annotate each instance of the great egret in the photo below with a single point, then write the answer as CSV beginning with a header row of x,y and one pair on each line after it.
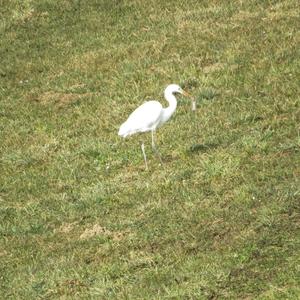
x,y
151,115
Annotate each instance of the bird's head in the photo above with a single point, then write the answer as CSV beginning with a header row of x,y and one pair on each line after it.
x,y
175,88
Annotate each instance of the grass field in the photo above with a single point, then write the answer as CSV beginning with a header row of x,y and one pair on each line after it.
x,y
81,218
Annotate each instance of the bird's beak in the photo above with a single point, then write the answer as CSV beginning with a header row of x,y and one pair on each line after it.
x,y
186,94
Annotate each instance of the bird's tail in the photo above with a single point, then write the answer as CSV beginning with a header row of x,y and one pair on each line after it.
x,y
123,130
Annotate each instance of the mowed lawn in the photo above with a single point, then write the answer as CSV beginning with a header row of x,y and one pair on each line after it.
x,y
81,218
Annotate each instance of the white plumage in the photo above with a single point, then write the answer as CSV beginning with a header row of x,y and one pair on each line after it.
x,y
145,118
151,115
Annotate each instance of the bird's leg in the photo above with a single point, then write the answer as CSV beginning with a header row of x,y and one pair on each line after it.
x,y
144,154
154,147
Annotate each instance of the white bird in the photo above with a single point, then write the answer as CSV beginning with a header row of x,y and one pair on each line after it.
x,y
150,116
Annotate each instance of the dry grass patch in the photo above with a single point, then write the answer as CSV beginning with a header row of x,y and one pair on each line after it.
x,y
58,98
99,60
66,227
97,230
213,68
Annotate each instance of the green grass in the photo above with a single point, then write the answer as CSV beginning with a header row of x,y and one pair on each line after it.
x,y
81,218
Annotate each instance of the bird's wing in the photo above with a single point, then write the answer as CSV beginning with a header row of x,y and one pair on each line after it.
x,y
144,118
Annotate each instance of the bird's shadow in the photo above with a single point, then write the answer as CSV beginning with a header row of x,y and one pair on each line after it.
x,y
202,148
194,150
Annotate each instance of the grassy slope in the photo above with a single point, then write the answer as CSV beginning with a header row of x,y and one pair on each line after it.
x,y
80,216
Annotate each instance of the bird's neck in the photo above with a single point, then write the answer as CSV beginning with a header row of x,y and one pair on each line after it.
x,y
168,111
